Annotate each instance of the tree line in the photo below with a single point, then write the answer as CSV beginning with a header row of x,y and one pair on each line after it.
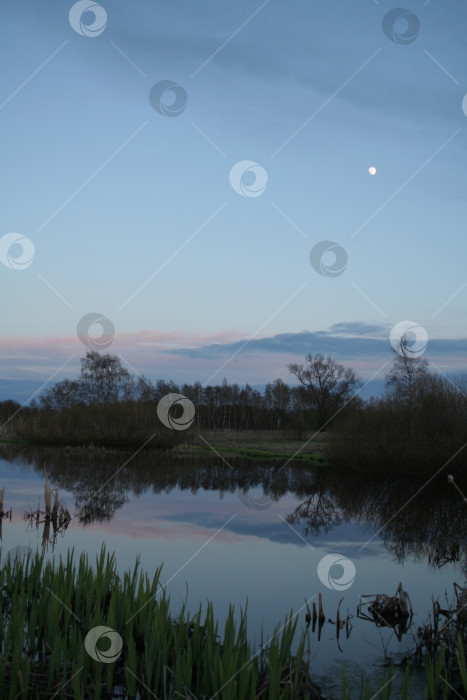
x,y
421,416
104,383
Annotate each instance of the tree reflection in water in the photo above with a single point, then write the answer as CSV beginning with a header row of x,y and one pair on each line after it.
x,y
98,505
427,524
319,513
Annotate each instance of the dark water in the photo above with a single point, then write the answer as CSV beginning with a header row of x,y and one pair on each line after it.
x,y
224,533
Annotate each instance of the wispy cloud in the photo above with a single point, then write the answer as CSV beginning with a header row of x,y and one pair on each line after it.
x,y
162,340
26,357
188,357
344,340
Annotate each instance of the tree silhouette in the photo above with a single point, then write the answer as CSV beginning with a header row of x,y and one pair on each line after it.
x,y
329,385
406,375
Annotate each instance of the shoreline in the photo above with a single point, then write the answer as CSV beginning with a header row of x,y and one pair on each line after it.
x,y
255,445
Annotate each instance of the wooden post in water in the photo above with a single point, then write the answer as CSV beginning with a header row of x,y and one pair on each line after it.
x,y
45,533
2,496
315,616
321,617
47,495
55,508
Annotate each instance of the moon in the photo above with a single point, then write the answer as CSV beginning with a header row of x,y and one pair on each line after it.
x,y
372,170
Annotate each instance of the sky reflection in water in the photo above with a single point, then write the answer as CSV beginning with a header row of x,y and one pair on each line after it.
x,y
216,533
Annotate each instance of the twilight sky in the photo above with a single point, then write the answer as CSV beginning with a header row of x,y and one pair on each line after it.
x,y
126,203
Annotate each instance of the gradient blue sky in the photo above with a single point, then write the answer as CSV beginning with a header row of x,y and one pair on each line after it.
x,y
108,189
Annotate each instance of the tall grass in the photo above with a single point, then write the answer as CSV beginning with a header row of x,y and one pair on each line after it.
x,y
48,608
122,425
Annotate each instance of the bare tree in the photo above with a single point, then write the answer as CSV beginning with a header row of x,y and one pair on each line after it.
x,y
144,389
103,378
329,384
406,375
277,397
64,394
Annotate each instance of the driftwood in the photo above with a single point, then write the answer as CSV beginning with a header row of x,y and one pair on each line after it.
x,y
394,611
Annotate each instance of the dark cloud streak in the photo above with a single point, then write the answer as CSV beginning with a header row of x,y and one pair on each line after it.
x,y
343,341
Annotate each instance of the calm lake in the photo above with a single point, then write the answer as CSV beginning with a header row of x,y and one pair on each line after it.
x,y
223,532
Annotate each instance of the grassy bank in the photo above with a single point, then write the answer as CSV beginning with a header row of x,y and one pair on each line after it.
x,y
46,650
260,445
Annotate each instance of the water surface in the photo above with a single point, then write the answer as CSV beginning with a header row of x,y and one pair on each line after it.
x,y
223,531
